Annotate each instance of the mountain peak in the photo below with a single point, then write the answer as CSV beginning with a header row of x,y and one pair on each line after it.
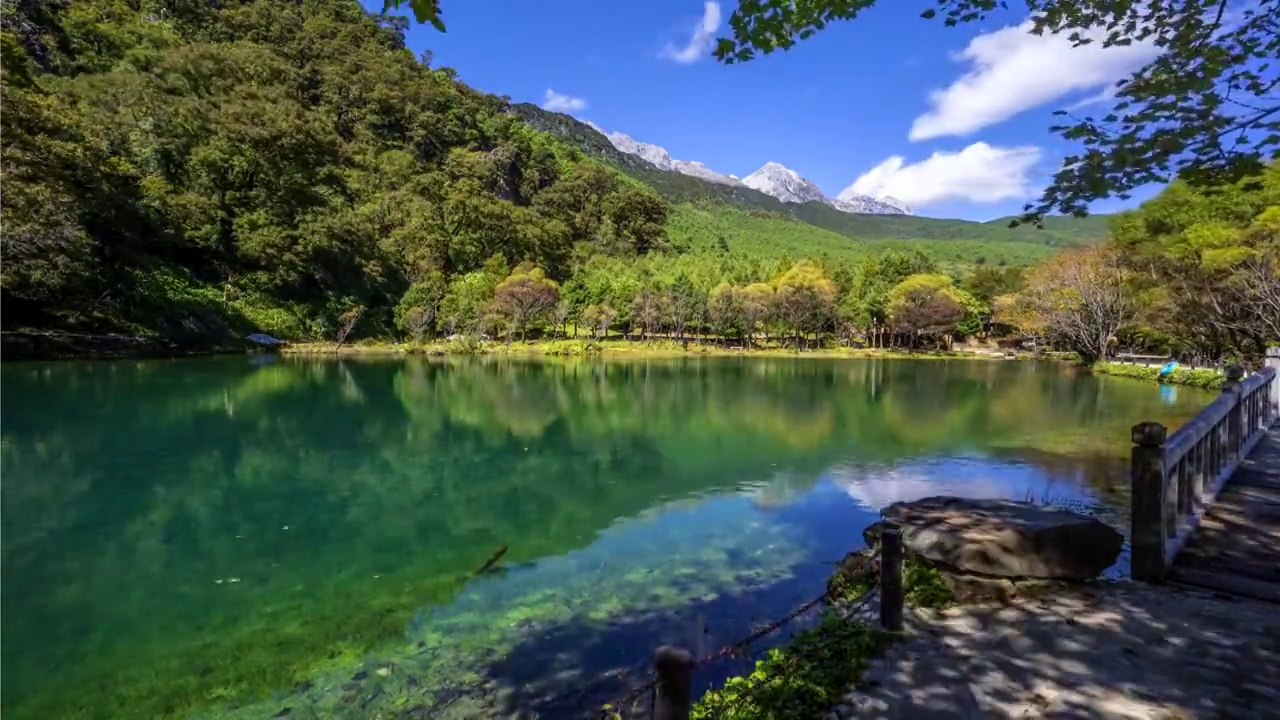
x,y
661,159
655,154
784,183
773,178
894,202
850,200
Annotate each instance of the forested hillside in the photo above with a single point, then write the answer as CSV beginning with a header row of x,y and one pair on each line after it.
x,y
200,171
267,164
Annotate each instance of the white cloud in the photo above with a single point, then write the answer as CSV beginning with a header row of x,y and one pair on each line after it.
x,y
700,42
558,102
879,487
1012,71
979,173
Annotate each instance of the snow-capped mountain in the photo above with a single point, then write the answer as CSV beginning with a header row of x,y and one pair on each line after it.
x,y
784,183
788,186
867,204
772,179
655,154
698,170
851,201
661,159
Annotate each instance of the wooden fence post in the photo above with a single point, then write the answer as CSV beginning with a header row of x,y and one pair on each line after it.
x,y
1147,521
1235,417
1273,361
891,596
674,667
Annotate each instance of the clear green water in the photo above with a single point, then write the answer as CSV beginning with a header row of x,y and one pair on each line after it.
x,y
234,538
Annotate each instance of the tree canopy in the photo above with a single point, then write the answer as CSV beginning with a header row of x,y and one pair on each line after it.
x,y
1192,272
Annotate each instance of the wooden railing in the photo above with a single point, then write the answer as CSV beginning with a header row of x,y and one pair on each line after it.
x,y
1175,477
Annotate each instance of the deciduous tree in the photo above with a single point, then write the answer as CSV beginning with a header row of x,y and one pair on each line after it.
x,y
598,318
757,304
725,306
526,296
922,313
804,298
416,320
347,322
647,311
926,305
1083,298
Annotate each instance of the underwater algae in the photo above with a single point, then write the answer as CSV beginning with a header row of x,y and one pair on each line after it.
x,y
444,665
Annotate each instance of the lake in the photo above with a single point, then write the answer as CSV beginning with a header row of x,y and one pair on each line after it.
x,y
241,537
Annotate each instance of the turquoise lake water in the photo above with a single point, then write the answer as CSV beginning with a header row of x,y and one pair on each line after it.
x,y
241,537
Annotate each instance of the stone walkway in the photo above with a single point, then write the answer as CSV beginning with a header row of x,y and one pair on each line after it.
x,y
1107,651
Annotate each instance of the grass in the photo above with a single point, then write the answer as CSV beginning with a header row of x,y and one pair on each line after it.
x,y
613,346
1206,379
757,233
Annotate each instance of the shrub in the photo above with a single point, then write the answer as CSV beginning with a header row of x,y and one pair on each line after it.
x,y
805,679
1207,379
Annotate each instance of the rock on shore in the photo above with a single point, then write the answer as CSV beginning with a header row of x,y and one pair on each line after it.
x,y
1003,538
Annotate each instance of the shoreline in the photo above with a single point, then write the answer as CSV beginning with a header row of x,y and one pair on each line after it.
x,y
621,349
38,346
54,346
1204,379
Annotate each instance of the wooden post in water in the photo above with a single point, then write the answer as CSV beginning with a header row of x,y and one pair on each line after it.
x,y
891,596
674,667
1147,521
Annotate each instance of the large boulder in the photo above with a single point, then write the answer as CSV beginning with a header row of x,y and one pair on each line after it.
x,y
1003,538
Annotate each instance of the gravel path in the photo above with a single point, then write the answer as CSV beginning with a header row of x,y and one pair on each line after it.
x,y
1108,651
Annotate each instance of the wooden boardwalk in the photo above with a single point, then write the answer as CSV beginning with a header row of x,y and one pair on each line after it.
x,y
1236,548
1206,498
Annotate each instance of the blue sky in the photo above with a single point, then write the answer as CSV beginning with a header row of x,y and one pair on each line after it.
x,y
952,120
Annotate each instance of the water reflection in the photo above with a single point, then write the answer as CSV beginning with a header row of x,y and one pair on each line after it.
x,y
346,498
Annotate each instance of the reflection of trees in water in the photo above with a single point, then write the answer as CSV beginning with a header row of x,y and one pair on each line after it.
x,y
130,487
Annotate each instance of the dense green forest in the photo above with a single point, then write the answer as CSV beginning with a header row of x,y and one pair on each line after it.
x,y
202,171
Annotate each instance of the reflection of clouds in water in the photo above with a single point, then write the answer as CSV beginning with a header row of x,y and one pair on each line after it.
x,y
879,486
780,490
